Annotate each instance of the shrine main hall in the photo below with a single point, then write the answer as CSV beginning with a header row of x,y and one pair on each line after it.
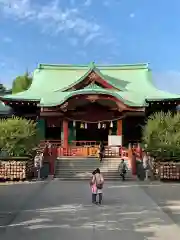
x,y
79,104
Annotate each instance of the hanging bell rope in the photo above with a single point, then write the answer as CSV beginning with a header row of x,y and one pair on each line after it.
x,y
105,120
74,123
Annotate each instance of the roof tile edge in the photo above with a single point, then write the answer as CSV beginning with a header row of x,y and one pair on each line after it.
x,y
110,66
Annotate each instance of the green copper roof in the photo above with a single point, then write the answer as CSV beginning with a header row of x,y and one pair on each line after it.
x,y
58,98
133,84
4,109
93,86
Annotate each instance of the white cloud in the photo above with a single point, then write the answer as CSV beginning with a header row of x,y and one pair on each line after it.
x,y
131,15
51,47
106,3
2,64
168,81
19,9
72,2
88,3
7,40
73,41
82,53
52,17
8,62
91,37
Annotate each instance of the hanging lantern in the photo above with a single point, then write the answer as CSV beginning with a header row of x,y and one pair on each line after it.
x,y
104,125
111,124
74,123
82,125
99,125
85,125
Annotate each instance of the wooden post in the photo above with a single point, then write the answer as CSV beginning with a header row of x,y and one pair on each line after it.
x,y
132,158
119,127
65,134
139,150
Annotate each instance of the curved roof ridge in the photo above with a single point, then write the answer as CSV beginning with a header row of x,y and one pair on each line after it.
x,y
92,67
102,91
74,66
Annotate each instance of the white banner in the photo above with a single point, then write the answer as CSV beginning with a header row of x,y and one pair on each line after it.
x,y
114,140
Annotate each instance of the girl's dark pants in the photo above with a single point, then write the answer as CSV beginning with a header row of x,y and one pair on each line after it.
x,y
100,198
94,198
100,156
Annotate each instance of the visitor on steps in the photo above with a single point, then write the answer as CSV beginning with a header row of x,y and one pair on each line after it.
x,y
122,169
93,187
99,181
101,151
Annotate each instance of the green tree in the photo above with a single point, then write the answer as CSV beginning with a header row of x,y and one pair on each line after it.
x,y
21,83
18,136
2,89
161,134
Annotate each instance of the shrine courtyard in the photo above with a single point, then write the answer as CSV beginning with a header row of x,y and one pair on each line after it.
x,y
63,210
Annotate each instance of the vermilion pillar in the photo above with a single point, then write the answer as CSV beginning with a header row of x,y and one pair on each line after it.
x,y
119,127
65,133
132,159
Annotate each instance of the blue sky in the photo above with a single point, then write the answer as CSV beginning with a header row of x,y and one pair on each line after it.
x,y
80,31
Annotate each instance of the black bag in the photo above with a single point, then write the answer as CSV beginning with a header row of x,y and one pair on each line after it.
x,y
99,186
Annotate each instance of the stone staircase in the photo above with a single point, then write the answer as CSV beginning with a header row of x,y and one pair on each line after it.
x,y
82,168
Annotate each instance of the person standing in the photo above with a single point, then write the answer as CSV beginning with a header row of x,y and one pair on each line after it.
x,y
99,181
146,164
101,151
122,169
93,187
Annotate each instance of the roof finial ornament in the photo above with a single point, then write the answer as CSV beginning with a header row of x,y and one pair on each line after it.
x,y
92,65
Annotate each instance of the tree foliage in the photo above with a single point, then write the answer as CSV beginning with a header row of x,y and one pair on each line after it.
x,y
21,83
2,89
161,134
18,136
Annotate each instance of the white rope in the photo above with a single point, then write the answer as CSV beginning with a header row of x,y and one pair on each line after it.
x,y
102,121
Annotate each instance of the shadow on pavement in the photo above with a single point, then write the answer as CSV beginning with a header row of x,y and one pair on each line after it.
x,y
166,196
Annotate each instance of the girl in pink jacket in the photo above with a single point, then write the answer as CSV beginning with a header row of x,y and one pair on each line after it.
x,y
93,187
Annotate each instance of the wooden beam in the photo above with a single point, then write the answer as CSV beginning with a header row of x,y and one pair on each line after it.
x,y
51,114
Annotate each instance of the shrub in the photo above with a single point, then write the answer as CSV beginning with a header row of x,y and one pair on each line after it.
x,y
161,134
18,136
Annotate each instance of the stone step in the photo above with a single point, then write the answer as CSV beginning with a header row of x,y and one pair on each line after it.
x,y
86,170
88,167
81,169
74,178
88,175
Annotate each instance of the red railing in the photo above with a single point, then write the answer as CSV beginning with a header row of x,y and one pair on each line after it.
x,y
92,151
90,148
73,143
54,143
56,150
86,143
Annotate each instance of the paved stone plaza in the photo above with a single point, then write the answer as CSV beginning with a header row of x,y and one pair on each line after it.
x,y
63,210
